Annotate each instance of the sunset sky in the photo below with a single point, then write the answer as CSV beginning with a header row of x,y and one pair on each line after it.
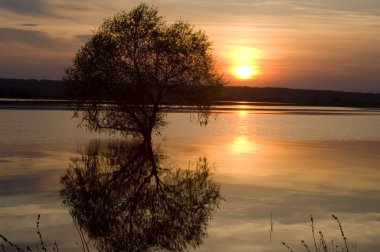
x,y
320,44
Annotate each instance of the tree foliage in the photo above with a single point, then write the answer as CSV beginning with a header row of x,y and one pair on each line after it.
x,y
133,65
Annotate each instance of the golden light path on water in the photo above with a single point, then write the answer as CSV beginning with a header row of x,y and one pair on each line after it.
x,y
242,143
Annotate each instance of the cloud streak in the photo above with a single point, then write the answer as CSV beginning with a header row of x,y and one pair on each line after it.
x,y
363,6
26,7
31,38
29,25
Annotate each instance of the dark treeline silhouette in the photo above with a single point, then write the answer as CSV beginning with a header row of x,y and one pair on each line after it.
x,y
300,96
126,197
51,89
32,89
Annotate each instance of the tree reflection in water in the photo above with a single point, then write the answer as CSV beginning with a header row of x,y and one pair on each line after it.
x,y
127,198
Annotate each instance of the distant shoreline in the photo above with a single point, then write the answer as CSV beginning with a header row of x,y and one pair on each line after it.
x,y
48,93
51,104
39,104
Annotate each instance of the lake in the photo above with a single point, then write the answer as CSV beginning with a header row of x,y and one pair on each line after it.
x,y
276,166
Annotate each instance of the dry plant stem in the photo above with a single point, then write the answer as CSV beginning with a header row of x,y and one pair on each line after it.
x,y
286,245
11,244
341,231
39,233
305,245
323,242
28,249
322,246
55,247
271,228
312,230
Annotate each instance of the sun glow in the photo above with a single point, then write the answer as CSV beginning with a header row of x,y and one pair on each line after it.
x,y
244,62
243,72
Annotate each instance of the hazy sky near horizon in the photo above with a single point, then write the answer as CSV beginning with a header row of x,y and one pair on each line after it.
x,y
320,44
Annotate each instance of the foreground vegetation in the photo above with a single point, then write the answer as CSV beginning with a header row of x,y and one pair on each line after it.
x,y
320,244
40,245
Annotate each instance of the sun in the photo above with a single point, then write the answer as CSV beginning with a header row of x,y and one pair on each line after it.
x,y
243,60
243,72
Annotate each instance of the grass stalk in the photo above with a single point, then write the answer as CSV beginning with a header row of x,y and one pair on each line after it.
x,y
305,245
341,231
322,241
312,230
286,245
39,233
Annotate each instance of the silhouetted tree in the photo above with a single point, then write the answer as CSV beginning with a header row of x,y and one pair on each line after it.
x,y
133,65
127,198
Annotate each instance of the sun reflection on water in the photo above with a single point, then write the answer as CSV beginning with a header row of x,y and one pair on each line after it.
x,y
242,110
243,145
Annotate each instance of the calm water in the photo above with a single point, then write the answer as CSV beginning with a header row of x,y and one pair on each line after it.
x,y
286,161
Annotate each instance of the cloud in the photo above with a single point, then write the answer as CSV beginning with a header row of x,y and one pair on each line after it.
x,y
36,39
35,7
253,10
368,7
32,38
29,25
61,9
31,53
34,53
342,4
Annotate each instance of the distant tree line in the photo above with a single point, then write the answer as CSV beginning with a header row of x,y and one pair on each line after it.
x,y
32,89
300,96
52,89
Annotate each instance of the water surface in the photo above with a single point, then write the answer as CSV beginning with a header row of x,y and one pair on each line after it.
x,y
286,161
